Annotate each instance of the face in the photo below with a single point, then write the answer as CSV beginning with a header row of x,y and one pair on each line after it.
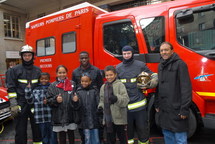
x,y
84,59
110,76
27,56
166,51
44,80
85,81
62,73
127,54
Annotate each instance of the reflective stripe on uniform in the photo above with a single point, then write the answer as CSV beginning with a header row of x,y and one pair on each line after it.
x,y
37,143
132,80
32,110
12,95
34,81
137,104
131,141
147,142
123,80
23,81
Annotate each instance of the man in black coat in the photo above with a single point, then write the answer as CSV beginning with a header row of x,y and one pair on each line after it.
x,y
174,96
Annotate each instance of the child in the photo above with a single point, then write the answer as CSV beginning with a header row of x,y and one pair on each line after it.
x,y
90,98
63,101
114,100
42,112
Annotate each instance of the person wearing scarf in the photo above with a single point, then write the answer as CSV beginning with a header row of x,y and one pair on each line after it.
x,y
174,94
114,100
64,102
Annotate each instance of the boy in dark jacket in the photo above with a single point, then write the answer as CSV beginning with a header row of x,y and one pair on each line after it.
x,y
90,121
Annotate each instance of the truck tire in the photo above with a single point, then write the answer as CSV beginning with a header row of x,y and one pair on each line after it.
x,y
192,124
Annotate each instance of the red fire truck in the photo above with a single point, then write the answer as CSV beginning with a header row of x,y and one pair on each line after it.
x,y
5,110
189,25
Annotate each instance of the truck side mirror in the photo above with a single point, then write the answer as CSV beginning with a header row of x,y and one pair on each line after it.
x,y
185,16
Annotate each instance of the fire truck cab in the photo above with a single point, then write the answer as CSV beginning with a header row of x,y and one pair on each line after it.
x,y
189,25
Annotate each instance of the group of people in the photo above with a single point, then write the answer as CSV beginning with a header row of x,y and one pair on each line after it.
x,y
117,106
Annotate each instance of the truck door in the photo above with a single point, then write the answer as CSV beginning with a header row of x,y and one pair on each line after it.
x,y
145,39
69,42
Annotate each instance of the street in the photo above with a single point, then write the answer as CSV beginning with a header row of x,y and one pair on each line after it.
x,y
204,136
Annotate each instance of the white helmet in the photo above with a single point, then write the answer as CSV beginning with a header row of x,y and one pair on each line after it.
x,y
26,49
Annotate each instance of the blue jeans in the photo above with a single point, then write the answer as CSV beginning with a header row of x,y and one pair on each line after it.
x,y
48,136
174,137
91,136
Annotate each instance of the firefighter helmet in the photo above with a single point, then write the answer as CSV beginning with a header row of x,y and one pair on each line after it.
x,y
26,49
143,79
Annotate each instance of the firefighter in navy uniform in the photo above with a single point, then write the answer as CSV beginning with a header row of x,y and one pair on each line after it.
x,y
17,79
128,72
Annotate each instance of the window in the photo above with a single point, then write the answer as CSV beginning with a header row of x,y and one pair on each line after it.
x,y
201,26
118,34
197,33
69,42
11,26
153,31
46,46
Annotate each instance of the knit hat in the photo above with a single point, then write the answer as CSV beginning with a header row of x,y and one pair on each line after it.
x,y
127,48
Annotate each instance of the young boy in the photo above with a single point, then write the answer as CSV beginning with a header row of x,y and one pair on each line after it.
x,y
42,112
90,99
114,100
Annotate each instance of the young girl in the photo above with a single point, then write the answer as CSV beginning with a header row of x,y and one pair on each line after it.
x,y
90,98
42,112
114,100
63,101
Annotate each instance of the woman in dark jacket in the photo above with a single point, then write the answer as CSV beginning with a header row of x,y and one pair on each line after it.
x,y
64,102
174,96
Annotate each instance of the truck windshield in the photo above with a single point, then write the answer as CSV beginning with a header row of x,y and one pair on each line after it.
x,y
196,30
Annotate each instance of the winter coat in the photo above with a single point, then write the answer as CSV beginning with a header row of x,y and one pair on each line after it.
x,y
128,72
18,78
174,94
118,109
94,72
90,99
62,113
42,112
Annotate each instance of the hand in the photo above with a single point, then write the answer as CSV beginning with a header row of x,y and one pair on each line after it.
x,y
113,99
45,101
154,81
157,109
99,111
59,98
75,98
29,85
182,116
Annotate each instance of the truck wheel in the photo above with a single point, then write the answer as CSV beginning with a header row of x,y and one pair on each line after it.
x,y
192,124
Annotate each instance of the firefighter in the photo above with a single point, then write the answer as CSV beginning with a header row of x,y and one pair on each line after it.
x,y
128,71
17,79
